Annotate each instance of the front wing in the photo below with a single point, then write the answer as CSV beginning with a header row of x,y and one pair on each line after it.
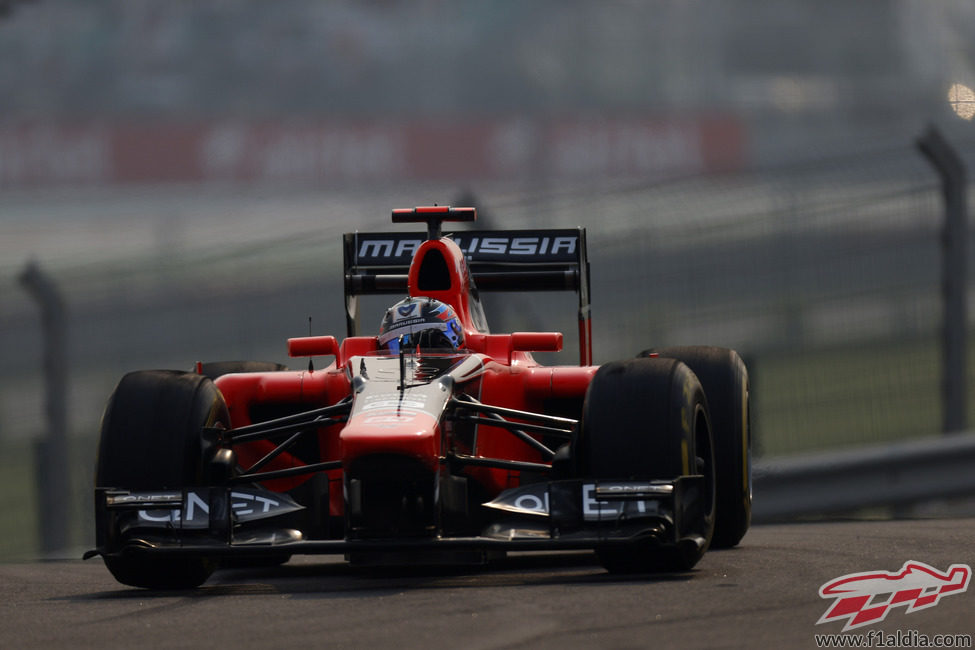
x,y
554,515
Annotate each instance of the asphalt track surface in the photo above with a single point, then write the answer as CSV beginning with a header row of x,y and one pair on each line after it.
x,y
761,594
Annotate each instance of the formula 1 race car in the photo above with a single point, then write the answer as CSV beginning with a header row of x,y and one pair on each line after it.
x,y
433,442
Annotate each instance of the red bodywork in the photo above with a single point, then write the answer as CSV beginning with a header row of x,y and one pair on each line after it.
x,y
507,376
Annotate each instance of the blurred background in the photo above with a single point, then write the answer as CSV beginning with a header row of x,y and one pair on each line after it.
x,y
748,173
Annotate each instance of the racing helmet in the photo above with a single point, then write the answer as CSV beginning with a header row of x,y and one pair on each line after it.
x,y
420,322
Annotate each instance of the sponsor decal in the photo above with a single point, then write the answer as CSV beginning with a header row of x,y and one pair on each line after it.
x,y
595,509
387,410
245,504
336,151
541,246
387,248
483,246
413,400
143,498
866,598
610,490
406,311
534,500
390,401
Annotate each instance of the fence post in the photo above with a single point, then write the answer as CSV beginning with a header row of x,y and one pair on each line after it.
x,y
51,453
954,239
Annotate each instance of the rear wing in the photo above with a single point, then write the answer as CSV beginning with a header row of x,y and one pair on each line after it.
x,y
499,260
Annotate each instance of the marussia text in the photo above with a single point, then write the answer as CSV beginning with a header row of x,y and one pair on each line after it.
x,y
560,245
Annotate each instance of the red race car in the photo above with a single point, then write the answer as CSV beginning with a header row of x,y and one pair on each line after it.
x,y
435,441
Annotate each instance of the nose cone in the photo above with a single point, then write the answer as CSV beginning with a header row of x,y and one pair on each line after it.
x,y
397,409
391,430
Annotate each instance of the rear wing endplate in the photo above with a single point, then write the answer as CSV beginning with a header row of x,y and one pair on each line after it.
x,y
499,260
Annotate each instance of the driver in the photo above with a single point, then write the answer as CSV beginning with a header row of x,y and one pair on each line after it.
x,y
420,322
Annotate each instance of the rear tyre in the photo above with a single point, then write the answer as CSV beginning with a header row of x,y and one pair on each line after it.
x,y
725,380
646,419
214,369
150,440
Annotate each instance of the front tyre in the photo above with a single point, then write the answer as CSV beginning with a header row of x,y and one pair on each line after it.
x,y
647,419
150,440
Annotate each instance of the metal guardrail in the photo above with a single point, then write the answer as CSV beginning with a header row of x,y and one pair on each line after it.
x,y
891,475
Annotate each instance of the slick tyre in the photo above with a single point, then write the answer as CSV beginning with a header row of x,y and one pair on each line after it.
x,y
646,419
725,380
150,440
214,369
